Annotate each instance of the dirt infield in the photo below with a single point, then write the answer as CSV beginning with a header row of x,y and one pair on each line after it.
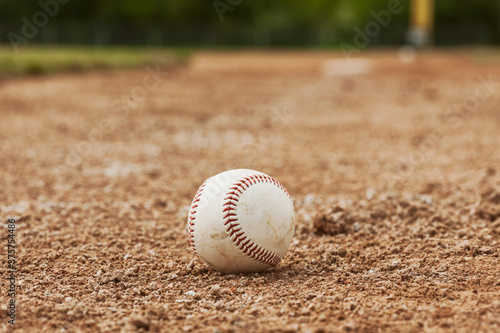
x,y
394,173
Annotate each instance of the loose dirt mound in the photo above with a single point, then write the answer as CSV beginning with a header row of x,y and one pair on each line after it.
x,y
394,174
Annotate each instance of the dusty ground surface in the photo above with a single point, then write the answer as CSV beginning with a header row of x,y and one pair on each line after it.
x,y
396,190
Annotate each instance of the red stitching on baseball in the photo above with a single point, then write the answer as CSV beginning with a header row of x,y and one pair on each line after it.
x,y
192,216
240,240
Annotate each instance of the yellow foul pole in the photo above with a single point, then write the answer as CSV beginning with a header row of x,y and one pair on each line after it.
x,y
421,22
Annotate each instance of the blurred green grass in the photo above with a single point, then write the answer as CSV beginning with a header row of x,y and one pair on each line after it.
x,y
45,60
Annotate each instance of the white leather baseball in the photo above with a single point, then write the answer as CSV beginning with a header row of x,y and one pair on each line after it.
x,y
241,221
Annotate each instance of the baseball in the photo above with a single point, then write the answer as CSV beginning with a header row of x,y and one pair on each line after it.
x,y
241,221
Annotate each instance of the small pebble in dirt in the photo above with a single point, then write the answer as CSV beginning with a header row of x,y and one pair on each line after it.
x,y
309,198
370,193
190,293
426,199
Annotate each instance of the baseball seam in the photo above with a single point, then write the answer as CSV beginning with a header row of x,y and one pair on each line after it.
x,y
233,228
192,215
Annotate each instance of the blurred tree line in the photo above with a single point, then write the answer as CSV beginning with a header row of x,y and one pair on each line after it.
x,y
314,21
